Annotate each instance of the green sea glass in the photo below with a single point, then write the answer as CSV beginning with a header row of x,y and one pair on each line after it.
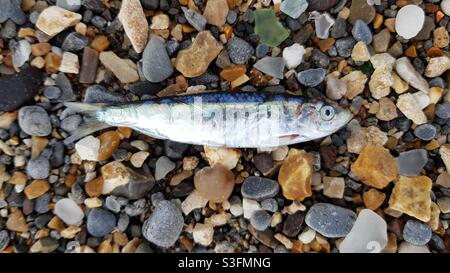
x,y
269,30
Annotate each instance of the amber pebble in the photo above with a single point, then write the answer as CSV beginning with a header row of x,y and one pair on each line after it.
x,y
326,44
232,73
228,30
70,180
295,176
18,178
26,32
258,79
373,199
377,21
124,131
187,29
411,52
214,183
100,43
36,188
94,187
434,52
56,223
109,142
52,63
438,16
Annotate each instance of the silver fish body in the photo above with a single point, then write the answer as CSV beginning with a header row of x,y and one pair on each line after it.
x,y
229,119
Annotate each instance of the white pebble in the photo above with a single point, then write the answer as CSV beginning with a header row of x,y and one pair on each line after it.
x,y
307,236
87,148
445,6
69,212
409,21
293,55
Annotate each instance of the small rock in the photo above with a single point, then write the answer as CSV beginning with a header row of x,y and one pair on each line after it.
x,y
311,77
294,8
360,52
203,234
444,204
441,38
20,52
373,199
54,19
368,234
88,148
425,132
417,233
333,187
228,157
163,166
336,88
175,150
194,61
195,19
411,195
406,247
99,94
407,72
125,72
69,63
361,32
445,6
16,221
214,183
408,105
75,42
156,64
443,110
216,12
72,5
381,81
249,207
360,9
160,21
263,162
239,50
437,66
329,220
36,189
307,236
293,55
164,225
34,121
38,168
273,66
323,23
411,163
293,224
68,211
444,151
134,23
375,166
4,240
409,21
260,220
100,222
387,110
295,175
259,188
355,81
193,201
443,180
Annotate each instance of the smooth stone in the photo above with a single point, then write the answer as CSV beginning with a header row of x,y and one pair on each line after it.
x,y
38,168
368,234
11,9
360,9
311,77
443,110
259,188
293,55
445,7
216,12
163,166
72,5
175,150
123,70
52,92
69,212
75,42
417,233
24,85
88,148
260,220
362,32
20,52
411,163
408,73
268,28
425,132
344,46
134,23
195,19
330,220
273,66
323,23
214,183
100,222
293,224
71,123
54,20
164,225
156,64
409,21
239,50
294,8
99,94
269,204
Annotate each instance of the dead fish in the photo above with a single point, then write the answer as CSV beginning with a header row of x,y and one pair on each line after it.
x,y
220,119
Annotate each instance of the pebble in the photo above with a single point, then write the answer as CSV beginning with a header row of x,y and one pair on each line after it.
x,y
368,234
333,187
12,10
16,221
100,222
411,195
268,28
99,94
293,55
163,166
164,225
443,110
373,199
195,19
411,163
311,77
88,148
437,66
361,32
259,188
417,233
249,207
239,50
360,52
194,61
214,183
272,66
344,46
360,9
160,21
409,106
36,189
216,12
119,67
194,201
203,234
75,42
425,132
406,247
4,240
54,20
445,7
20,52
134,23
38,168
323,22
69,63
444,151
228,157
260,220
294,8
375,166
330,220
443,180
69,212
355,81
409,21
175,150
34,121
295,175
387,110
71,5
293,224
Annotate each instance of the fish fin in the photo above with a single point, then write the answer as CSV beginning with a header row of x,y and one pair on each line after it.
x,y
91,125
289,137
86,129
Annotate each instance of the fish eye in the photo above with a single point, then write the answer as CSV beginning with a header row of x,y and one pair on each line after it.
x,y
327,112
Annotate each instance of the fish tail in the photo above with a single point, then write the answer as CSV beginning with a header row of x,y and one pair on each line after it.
x,y
92,125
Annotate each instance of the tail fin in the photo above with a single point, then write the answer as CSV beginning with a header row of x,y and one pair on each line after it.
x,y
91,126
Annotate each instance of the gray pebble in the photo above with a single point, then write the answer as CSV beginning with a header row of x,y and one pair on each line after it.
x,y
362,32
269,205
52,92
71,123
99,94
417,233
175,150
136,208
38,168
259,188
75,42
443,110
261,50
112,204
123,222
260,220
156,64
330,220
100,222
41,203
34,121
339,29
239,50
425,132
4,239
165,224
344,46
411,163
195,19
311,77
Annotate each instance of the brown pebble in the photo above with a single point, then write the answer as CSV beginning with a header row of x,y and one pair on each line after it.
x,y
214,183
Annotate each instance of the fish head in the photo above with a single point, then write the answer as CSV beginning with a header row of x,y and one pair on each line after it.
x,y
319,119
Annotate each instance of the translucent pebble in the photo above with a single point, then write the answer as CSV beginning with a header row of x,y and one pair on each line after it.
x,y
323,23
69,212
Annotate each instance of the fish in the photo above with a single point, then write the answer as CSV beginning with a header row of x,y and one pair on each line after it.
x,y
219,119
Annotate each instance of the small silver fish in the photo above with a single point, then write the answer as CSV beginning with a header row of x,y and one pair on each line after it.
x,y
220,119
